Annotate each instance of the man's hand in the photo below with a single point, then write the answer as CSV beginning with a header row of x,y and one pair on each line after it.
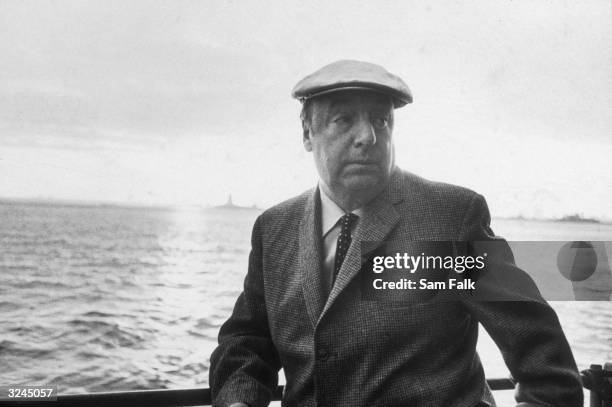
x,y
239,405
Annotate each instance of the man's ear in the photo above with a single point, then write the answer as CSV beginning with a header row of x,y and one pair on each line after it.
x,y
307,141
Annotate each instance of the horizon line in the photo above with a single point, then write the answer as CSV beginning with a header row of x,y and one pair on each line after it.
x,y
141,205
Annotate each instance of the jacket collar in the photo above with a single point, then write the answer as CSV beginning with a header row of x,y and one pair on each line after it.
x,y
310,256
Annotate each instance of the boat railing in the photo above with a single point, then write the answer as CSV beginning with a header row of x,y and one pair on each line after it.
x,y
596,379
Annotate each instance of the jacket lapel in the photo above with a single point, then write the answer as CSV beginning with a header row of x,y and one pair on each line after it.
x,y
378,220
310,258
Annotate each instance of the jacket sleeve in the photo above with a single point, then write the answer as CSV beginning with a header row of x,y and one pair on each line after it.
x,y
526,330
244,367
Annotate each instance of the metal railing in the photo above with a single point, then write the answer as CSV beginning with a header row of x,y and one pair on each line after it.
x,y
596,379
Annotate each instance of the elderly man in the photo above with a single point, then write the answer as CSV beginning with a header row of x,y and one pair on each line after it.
x,y
302,309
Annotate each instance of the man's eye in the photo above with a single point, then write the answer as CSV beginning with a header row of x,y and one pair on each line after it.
x,y
380,122
342,119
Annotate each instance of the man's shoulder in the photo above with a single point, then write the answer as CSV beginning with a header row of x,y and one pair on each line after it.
x,y
416,187
290,210
441,209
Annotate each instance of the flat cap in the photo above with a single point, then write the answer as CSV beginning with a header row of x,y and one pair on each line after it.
x,y
349,74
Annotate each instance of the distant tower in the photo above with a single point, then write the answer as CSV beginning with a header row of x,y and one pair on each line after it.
x,y
229,201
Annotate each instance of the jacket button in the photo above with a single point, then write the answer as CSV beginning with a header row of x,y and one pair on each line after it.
x,y
322,354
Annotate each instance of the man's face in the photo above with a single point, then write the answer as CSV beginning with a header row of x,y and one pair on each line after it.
x,y
350,138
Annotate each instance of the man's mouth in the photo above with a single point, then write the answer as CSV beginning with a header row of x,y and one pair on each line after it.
x,y
362,165
362,162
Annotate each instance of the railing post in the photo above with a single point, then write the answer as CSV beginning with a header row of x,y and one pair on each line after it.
x,y
607,377
598,379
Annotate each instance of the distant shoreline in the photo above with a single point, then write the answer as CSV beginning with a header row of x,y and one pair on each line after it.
x,y
579,219
117,205
79,204
564,219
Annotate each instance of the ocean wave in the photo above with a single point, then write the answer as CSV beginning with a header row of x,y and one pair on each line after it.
x,y
114,263
189,370
108,335
40,284
7,306
88,355
92,325
204,323
98,314
202,335
10,348
37,242
21,267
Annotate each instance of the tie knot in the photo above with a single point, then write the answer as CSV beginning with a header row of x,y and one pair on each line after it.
x,y
348,220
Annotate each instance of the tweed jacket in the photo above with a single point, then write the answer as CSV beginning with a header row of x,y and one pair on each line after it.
x,y
342,351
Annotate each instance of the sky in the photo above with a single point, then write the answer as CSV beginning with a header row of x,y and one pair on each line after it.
x,y
185,102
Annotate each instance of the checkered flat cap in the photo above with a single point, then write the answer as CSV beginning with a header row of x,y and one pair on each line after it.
x,y
353,75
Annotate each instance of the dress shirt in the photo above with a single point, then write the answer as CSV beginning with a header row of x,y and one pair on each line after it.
x,y
330,228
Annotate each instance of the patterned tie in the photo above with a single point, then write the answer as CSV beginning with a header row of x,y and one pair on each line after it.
x,y
344,240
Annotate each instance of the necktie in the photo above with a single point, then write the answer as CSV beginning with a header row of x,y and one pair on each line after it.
x,y
344,240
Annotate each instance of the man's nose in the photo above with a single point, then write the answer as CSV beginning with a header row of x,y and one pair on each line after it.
x,y
364,133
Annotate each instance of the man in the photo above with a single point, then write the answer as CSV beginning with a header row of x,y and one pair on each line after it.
x,y
301,308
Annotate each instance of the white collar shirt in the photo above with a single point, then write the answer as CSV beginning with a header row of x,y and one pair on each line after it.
x,y
330,229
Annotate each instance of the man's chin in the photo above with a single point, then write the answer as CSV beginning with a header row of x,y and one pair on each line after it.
x,y
365,182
